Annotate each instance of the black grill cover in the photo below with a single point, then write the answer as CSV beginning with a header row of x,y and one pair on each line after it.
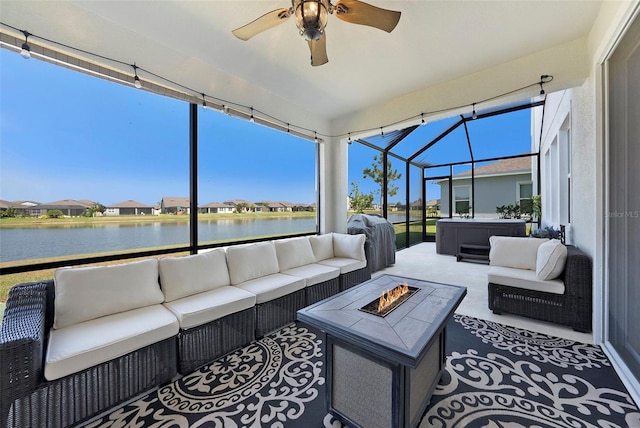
x,y
380,244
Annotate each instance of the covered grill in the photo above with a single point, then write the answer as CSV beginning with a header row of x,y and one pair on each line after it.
x,y
380,244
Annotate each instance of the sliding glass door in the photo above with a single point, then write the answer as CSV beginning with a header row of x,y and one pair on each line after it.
x,y
623,215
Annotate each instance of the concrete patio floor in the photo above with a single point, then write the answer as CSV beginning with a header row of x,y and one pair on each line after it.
x,y
422,262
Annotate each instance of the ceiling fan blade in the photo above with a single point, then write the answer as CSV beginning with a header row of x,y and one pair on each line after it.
x,y
318,50
358,12
266,21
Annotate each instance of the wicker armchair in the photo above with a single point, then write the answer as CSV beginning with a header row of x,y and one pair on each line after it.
x,y
573,308
28,400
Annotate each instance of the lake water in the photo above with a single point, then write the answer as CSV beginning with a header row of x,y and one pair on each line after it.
x,y
65,240
42,242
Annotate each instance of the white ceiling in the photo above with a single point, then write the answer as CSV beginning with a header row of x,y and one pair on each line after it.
x,y
435,44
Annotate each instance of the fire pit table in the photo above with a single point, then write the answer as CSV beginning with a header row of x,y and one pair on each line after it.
x,y
382,368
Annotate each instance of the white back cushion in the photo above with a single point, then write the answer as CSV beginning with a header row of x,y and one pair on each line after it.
x,y
552,256
349,246
515,252
184,276
322,246
294,252
83,294
251,261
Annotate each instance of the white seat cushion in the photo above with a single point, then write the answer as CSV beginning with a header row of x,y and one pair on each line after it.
x,y
273,286
322,246
294,252
202,308
345,265
83,345
314,273
82,294
515,252
552,256
251,261
184,276
523,278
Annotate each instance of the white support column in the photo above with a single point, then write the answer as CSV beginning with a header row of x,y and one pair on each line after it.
x,y
333,185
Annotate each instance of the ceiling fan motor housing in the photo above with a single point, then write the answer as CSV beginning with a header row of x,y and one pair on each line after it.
x,y
311,17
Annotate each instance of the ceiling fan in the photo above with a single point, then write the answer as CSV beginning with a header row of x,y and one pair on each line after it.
x,y
311,20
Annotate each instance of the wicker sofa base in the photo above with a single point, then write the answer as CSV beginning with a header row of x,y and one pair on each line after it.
x,y
67,401
277,313
202,344
321,291
555,308
348,280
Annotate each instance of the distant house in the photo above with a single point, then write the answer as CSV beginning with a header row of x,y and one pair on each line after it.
x,y
272,207
23,208
288,206
216,208
69,207
398,206
246,206
129,207
504,182
175,205
269,207
304,207
433,207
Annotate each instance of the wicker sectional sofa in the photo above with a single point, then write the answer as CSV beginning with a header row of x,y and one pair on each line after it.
x,y
541,279
91,338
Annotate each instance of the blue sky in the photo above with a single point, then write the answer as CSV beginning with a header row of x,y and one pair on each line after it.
x,y
66,135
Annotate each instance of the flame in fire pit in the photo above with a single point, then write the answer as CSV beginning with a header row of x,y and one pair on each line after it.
x,y
388,297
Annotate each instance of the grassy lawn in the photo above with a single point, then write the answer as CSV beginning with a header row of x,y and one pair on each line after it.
x,y
415,232
162,218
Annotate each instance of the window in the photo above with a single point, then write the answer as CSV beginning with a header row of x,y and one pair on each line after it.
x,y
87,145
524,196
462,200
253,181
108,165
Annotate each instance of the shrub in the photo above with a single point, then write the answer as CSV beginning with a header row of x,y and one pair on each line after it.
x,y
547,232
509,211
55,214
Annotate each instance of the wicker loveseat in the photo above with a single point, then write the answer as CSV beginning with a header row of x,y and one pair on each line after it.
x,y
91,338
515,286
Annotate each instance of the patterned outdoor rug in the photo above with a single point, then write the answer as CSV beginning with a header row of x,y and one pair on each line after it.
x,y
496,376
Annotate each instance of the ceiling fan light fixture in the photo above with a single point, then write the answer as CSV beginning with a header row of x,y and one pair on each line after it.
x,y
311,17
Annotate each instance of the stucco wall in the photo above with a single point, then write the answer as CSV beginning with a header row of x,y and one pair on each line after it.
x,y
584,167
490,192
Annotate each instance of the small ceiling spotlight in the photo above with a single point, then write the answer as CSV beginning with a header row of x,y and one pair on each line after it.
x,y
252,119
204,103
315,137
136,80
26,49
474,115
422,122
